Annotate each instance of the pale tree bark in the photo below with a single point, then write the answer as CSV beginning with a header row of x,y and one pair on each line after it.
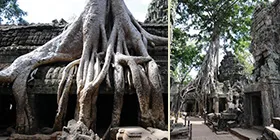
x,y
104,33
181,96
206,79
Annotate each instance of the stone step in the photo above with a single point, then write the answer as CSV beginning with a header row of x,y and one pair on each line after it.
x,y
272,132
266,137
276,122
246,134
238,134
259,128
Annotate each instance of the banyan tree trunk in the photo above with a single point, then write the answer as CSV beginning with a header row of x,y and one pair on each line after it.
x,y
205,81
104,38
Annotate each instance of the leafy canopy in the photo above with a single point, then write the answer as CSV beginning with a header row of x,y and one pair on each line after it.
x,y
228,20
184,56
10,12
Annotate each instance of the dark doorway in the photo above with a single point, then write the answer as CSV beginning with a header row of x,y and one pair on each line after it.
x,y
46,106
7,112
257,109
165,101
222,104
45,109
104,112
189,106
129,115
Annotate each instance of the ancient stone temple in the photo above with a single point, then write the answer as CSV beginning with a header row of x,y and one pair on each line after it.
x,y
231,69
229,92
43,81
157,12
231,79
262,98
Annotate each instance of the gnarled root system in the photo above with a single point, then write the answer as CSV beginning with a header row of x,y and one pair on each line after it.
x,y
105,36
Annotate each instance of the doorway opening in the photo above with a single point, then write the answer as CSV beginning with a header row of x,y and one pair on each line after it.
x,y
256,109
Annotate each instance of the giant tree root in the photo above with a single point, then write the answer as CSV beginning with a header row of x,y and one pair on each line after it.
x,y
103,34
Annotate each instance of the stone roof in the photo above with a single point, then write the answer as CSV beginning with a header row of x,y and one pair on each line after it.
x,y
33,35
39,34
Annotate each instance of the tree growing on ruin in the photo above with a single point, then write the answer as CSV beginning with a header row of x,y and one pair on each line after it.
x,y
185,57
104,38
209,23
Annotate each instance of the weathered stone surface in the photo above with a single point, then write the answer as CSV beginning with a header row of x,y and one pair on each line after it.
x,y
265,48
139,133
159,134
39,34
265,41
222,121
53,136
272,132
77,131
179,131
157,12
276,122
32,35
231,69
47,77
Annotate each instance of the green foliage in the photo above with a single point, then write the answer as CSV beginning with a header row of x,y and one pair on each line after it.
x,y
232,18
184,56
10,12
228,20
246,59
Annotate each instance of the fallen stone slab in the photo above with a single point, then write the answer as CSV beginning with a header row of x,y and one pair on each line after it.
x,y
160,134
179,131
246,134
272,132
177,125
276,122
139,133
52,136
77,131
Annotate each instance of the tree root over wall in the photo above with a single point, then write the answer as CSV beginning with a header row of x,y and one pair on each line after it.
x,y
105,37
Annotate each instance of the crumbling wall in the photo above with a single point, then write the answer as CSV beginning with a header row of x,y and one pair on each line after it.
x,y
231,69
157,12
231,75
265,47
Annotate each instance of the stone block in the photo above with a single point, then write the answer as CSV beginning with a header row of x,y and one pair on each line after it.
x,y
177,125
272,132
139,133
276,122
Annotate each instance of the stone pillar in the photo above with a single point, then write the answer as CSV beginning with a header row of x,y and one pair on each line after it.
x,y
266,107
274,92
216,104
200,109
237,102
